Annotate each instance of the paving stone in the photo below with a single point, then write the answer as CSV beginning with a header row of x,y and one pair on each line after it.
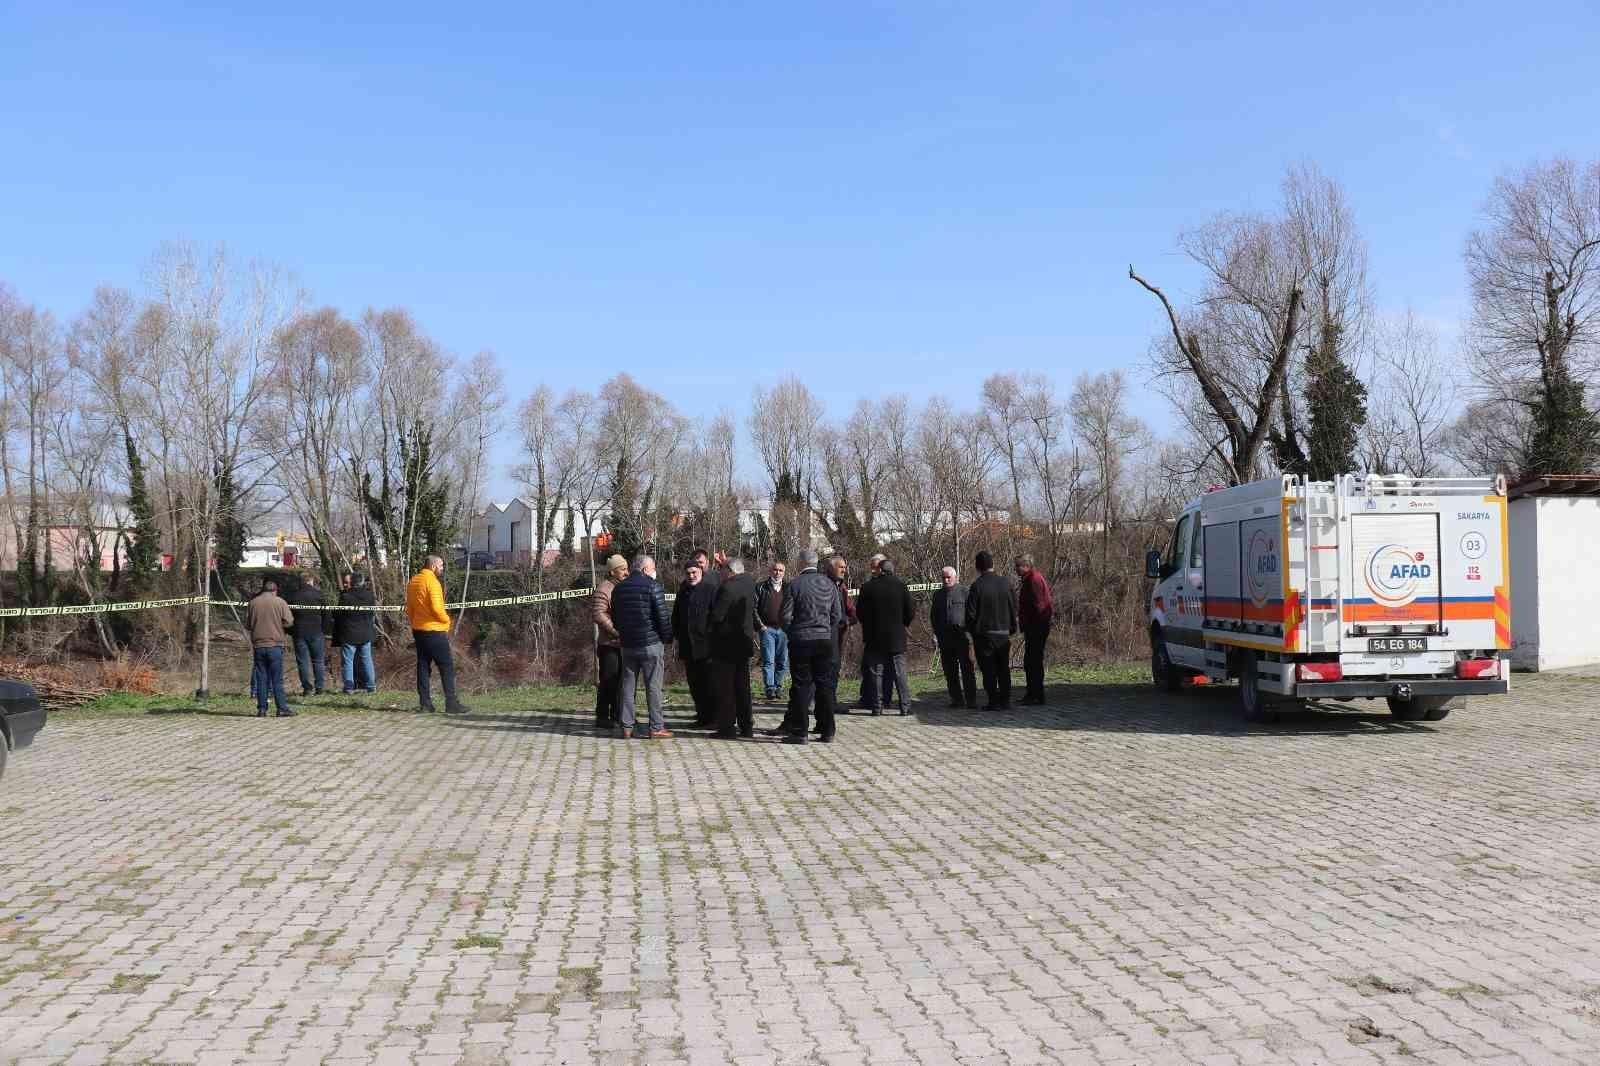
x,y
1121,877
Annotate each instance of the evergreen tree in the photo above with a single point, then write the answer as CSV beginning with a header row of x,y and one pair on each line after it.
x,y
144,540
1566,434
229,533
1338,403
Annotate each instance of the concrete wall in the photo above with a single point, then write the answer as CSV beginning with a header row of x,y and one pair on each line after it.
x,y
1553,593
1524,560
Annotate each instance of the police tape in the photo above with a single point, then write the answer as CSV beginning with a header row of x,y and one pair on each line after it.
x,y
527,600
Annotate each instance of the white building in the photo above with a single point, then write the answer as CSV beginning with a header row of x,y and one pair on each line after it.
x,y
506,531
1555,570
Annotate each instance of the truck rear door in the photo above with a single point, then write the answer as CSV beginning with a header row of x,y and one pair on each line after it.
x,y
1395,558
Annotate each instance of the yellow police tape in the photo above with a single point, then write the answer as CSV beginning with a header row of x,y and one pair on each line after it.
x,y
189,601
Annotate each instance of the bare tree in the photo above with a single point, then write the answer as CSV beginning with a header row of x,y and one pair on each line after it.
x,y
1109,437
318,374
1413,395
1535,329
785,424
1235,345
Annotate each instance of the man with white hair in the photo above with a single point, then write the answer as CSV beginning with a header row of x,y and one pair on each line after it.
x,y
639,611
949,619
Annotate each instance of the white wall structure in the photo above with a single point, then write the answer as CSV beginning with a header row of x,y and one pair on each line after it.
x,y
507,531
1555,572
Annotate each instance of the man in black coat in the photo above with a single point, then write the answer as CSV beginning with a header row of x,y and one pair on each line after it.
x,y
948,616
310,627
884,610
690,612
733,628
354,631
991,620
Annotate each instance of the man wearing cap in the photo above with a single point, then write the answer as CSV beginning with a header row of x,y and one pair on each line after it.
x,y
608,644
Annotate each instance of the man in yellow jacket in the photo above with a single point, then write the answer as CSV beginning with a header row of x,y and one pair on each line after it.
x,y
430,629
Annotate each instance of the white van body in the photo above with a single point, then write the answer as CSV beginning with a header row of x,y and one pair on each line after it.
x,y
1361,587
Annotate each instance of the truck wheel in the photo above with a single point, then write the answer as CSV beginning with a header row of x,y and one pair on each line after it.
x,y
1162,672
1420,708
1252,703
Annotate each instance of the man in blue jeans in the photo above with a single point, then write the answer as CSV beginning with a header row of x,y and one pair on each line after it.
x,y
308,631
353,630
774,641
268,619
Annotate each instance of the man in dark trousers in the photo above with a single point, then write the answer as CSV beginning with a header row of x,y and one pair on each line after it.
x,y
608,644
1035,612
309,629
268,618
690,611
733,629
949,619
991,619
811,616
639,611
354,631
884,610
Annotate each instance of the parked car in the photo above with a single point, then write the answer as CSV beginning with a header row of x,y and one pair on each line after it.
x,y
21,717
478,560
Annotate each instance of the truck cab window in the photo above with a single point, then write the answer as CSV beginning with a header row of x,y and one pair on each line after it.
x,y
1180,545
1197,552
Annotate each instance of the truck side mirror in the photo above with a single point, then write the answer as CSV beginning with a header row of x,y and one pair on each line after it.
x,y
1152,564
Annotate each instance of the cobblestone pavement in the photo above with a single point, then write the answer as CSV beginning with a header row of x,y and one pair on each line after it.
x,y
1122,877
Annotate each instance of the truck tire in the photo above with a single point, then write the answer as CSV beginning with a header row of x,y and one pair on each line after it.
x,y
1253,704
1162,672
1420,708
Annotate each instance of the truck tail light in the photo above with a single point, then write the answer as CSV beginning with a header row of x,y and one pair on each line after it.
x,y
1321,672
1470,668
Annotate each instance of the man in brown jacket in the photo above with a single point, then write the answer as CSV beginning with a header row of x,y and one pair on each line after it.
x,y
268,618
608,644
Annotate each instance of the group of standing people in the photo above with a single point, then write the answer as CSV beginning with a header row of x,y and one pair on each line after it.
x,y
304,622
721,617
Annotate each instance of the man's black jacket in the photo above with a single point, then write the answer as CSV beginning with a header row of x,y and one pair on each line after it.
x,y
309,616
733,620
884,610
639,611
991,607
355,627
948,616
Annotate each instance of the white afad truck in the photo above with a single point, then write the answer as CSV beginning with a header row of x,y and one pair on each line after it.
x,y
1363,587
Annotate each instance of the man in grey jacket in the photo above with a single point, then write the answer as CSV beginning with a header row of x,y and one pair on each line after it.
x,y
811,615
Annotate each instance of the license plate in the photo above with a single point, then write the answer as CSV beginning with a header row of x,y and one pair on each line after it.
x,y
1389,645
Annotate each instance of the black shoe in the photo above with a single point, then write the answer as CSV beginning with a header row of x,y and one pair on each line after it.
x,y
777,731
261,712
456,708
826,739
794,740
286,713
428,708
747,733
721,735
877,711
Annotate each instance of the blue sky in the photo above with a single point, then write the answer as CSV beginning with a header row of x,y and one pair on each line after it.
x,y
883,197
